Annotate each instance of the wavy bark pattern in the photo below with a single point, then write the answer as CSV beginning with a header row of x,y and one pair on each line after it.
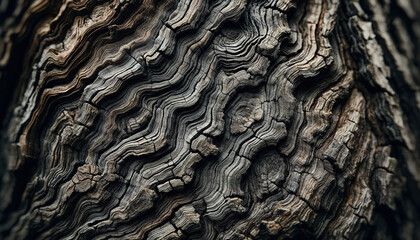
x,y
198,119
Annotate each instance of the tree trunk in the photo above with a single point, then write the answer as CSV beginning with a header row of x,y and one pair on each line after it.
x,y
225,119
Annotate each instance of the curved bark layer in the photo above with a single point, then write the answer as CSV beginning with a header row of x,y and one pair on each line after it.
x,y
204,119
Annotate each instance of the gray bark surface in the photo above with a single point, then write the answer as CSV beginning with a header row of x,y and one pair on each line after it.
x,y
224,119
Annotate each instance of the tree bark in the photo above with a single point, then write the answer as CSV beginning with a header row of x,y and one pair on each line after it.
x,y
226,119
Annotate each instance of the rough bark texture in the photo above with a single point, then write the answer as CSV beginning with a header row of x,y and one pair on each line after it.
x,y
199,119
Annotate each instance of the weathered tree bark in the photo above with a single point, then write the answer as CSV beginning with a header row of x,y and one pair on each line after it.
x,y
195,119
